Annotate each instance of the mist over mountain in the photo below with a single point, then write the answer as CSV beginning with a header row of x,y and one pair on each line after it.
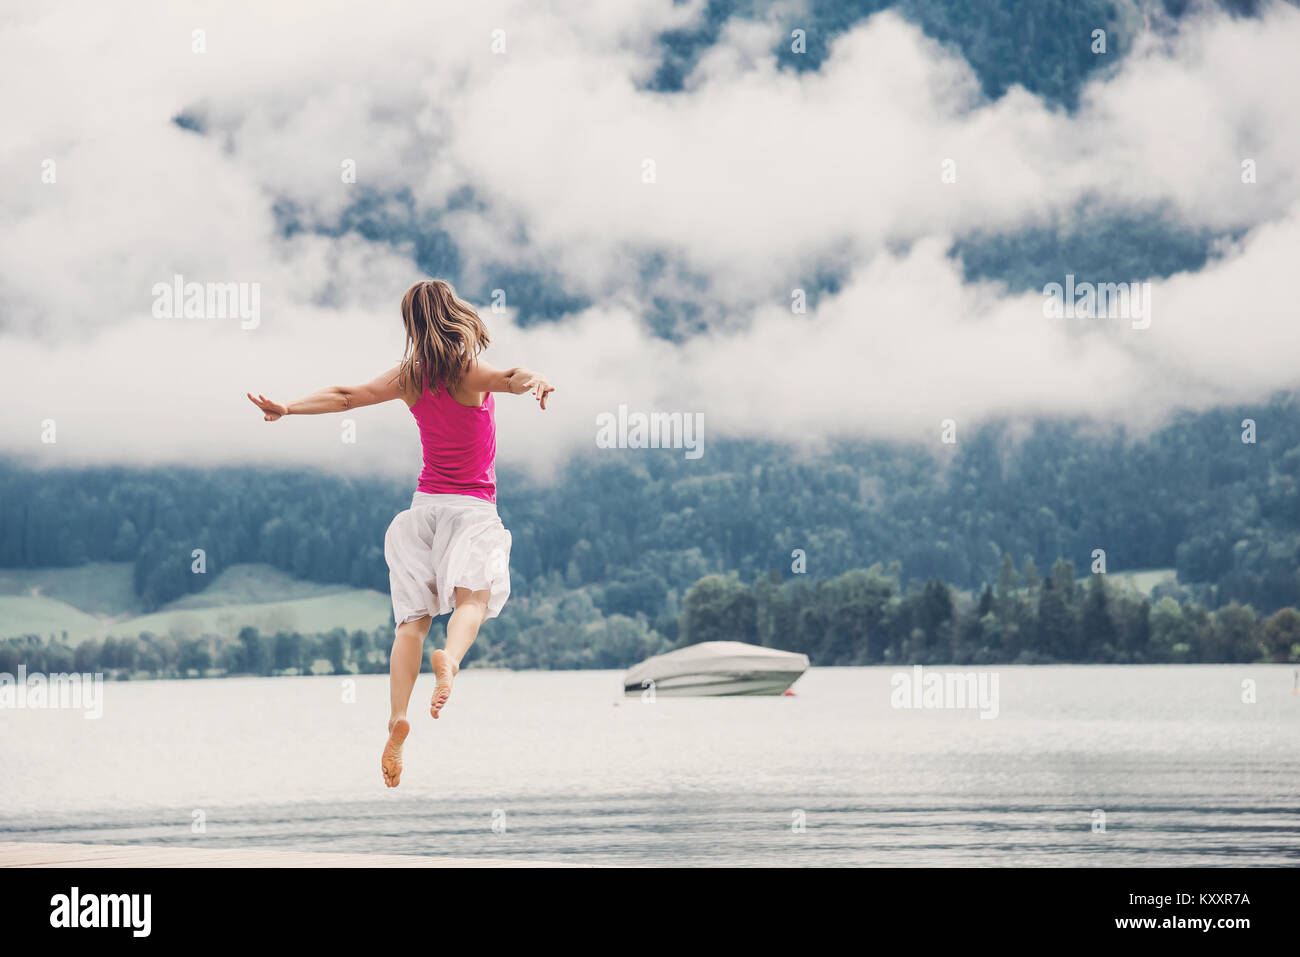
x,y
662,205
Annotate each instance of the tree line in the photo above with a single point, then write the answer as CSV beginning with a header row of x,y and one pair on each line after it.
x,y
862,617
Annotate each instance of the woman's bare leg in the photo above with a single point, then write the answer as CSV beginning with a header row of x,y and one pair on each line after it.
x,y
404,665
462,628
403,668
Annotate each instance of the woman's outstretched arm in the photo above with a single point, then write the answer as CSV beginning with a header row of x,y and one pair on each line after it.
x,y
485,378
336,398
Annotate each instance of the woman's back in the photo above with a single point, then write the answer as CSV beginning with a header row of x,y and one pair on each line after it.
x,y
460,445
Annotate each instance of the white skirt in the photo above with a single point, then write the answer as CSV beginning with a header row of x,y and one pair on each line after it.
x,y
439,544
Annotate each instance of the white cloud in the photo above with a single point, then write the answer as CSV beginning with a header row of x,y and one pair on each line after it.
x,y
761,175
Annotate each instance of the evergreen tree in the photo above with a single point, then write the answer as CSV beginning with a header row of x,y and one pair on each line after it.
x,y
1096,624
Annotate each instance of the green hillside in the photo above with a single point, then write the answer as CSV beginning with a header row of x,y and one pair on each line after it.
x,y
39,615
102,589
1145,581
97,600
255,583
351,610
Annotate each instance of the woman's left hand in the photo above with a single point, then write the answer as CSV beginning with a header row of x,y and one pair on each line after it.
x,y
525,381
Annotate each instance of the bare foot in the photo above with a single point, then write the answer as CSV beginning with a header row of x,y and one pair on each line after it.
x,y
444,669
391,762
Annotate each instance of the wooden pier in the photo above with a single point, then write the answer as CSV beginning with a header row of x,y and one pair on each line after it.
x,y
25,854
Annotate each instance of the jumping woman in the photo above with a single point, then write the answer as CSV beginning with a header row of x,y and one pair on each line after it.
x,y
449,551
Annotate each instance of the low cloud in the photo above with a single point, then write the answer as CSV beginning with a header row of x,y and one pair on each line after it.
x,y
761,177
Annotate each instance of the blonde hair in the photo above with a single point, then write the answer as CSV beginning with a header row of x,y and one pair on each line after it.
x,y
443,335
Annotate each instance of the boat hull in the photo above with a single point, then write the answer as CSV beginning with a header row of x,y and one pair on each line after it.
x,y
717,668
689,686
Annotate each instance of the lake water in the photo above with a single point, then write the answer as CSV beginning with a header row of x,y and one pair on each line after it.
x,y
1184,771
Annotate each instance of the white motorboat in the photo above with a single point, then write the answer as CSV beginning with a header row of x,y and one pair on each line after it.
x,y
717,668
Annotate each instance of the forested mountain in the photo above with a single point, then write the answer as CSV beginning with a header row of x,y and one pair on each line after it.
x,y
1045,46
636,526
1039,44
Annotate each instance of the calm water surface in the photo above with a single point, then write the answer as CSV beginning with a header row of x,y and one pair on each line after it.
x,y
1184,771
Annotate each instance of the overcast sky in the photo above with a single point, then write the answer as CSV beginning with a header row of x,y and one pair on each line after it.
x,y
762,177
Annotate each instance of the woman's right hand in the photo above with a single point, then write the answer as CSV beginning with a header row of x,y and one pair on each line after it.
x,y
271,410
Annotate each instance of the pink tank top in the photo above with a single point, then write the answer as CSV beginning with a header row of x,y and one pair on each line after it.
x,y
460,445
